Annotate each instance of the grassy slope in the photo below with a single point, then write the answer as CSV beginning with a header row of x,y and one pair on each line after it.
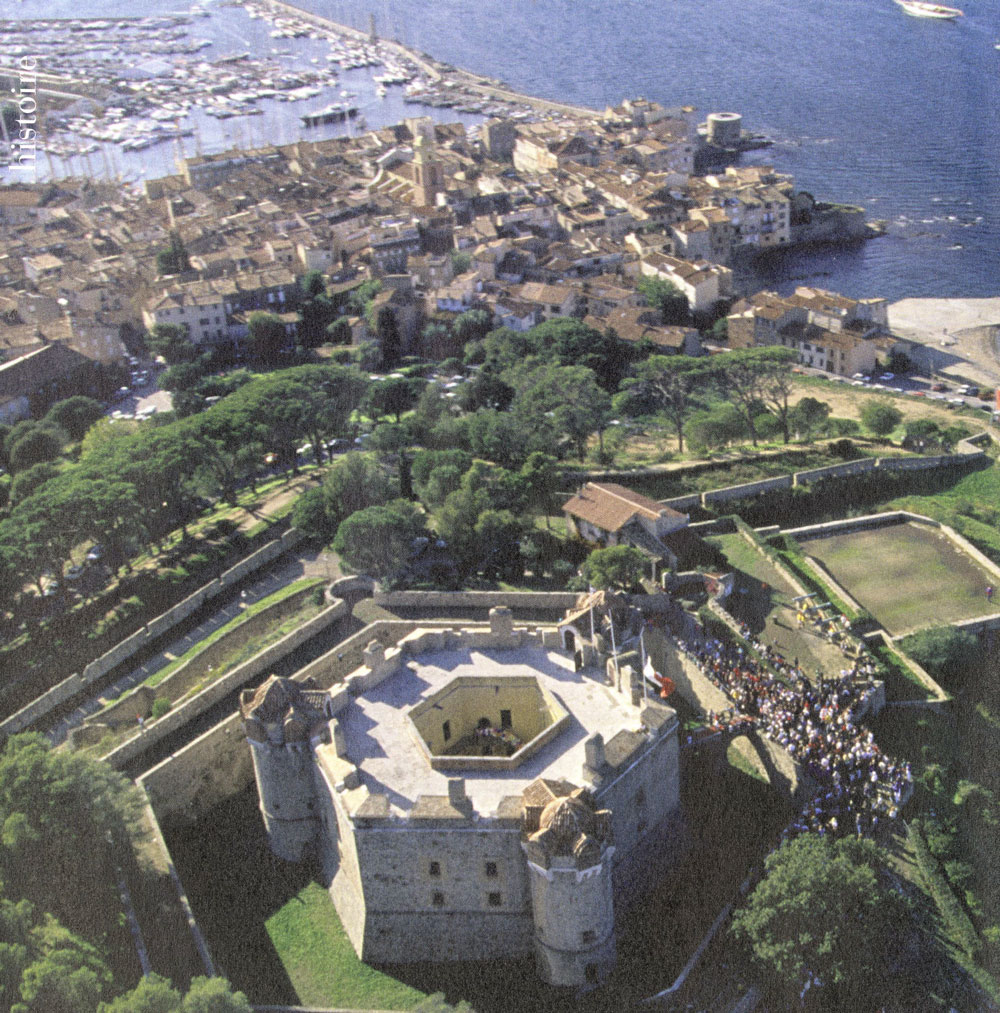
x,y
322,964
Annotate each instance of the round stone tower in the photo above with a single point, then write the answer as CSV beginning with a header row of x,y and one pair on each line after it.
x,y
280,719
724,129
569,868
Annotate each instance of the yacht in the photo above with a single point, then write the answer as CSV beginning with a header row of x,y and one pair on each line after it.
x,y
923,9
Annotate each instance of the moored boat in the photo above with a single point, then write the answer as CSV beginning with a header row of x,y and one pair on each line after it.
x,y
924,9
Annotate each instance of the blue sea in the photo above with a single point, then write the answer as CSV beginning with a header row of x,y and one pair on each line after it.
x,y
865,104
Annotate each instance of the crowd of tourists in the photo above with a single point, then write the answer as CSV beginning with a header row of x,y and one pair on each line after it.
x,y
815,723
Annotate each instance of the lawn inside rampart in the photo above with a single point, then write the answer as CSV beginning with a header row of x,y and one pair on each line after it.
x,y
909,576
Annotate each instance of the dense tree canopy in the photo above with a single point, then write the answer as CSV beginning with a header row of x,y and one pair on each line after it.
x,y
618,566
156,995
378,540
823,915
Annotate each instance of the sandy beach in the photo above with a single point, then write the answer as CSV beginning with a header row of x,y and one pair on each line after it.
x,y
959,336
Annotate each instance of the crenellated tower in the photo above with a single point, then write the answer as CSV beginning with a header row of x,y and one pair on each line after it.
x,y
281,719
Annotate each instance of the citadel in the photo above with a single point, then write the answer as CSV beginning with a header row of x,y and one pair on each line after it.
x,y
475,794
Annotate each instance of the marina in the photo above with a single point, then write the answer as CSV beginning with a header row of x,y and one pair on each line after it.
x,y
138,94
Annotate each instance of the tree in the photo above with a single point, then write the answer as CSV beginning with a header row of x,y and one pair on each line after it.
x,y
339,332
31,443
74,415
717,427
156,995
472,325
496,436
666,297
59,811
460,262
808,415
266,337
393,396
388,337
756,377
153,994
562,401
822,915
541,479
183,375
378,540
669,381
173,259
777,382
172,342
67,975
880,416
618,566
499,534
213,995
26,482
354,482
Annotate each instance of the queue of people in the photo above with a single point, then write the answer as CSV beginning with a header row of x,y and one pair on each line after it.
x,y
815,723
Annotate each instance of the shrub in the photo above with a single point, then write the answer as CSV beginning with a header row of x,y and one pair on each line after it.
x,y
160,707
319,595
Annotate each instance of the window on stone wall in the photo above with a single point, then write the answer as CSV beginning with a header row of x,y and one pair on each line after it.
x,y
446,730
590,973
491,869
494,900
434,869
437,899
588,936
640,797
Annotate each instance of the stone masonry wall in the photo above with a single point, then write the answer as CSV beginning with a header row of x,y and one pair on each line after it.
x,y
211,695
130,646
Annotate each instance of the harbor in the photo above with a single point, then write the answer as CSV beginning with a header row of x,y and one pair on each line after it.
x,y
127,98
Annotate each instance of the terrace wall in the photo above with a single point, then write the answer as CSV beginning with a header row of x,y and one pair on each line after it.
x,y
212,694
132,645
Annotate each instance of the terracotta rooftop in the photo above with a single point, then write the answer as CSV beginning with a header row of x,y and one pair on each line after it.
x,y
610,507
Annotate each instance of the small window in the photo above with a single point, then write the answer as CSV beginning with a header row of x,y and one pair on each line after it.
x,y
505,721
640,797
495,900
446,730
588,936
590,973
438,899
491,869
434,869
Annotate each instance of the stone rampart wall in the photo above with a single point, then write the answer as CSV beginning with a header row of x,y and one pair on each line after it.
x,y
191,782
682,503
939,696
441,600
849,524
193,671
745,490
858,467
963,545
130,646
209,696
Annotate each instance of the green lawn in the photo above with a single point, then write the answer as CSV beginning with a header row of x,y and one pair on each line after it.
x,y
908,575
321,963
